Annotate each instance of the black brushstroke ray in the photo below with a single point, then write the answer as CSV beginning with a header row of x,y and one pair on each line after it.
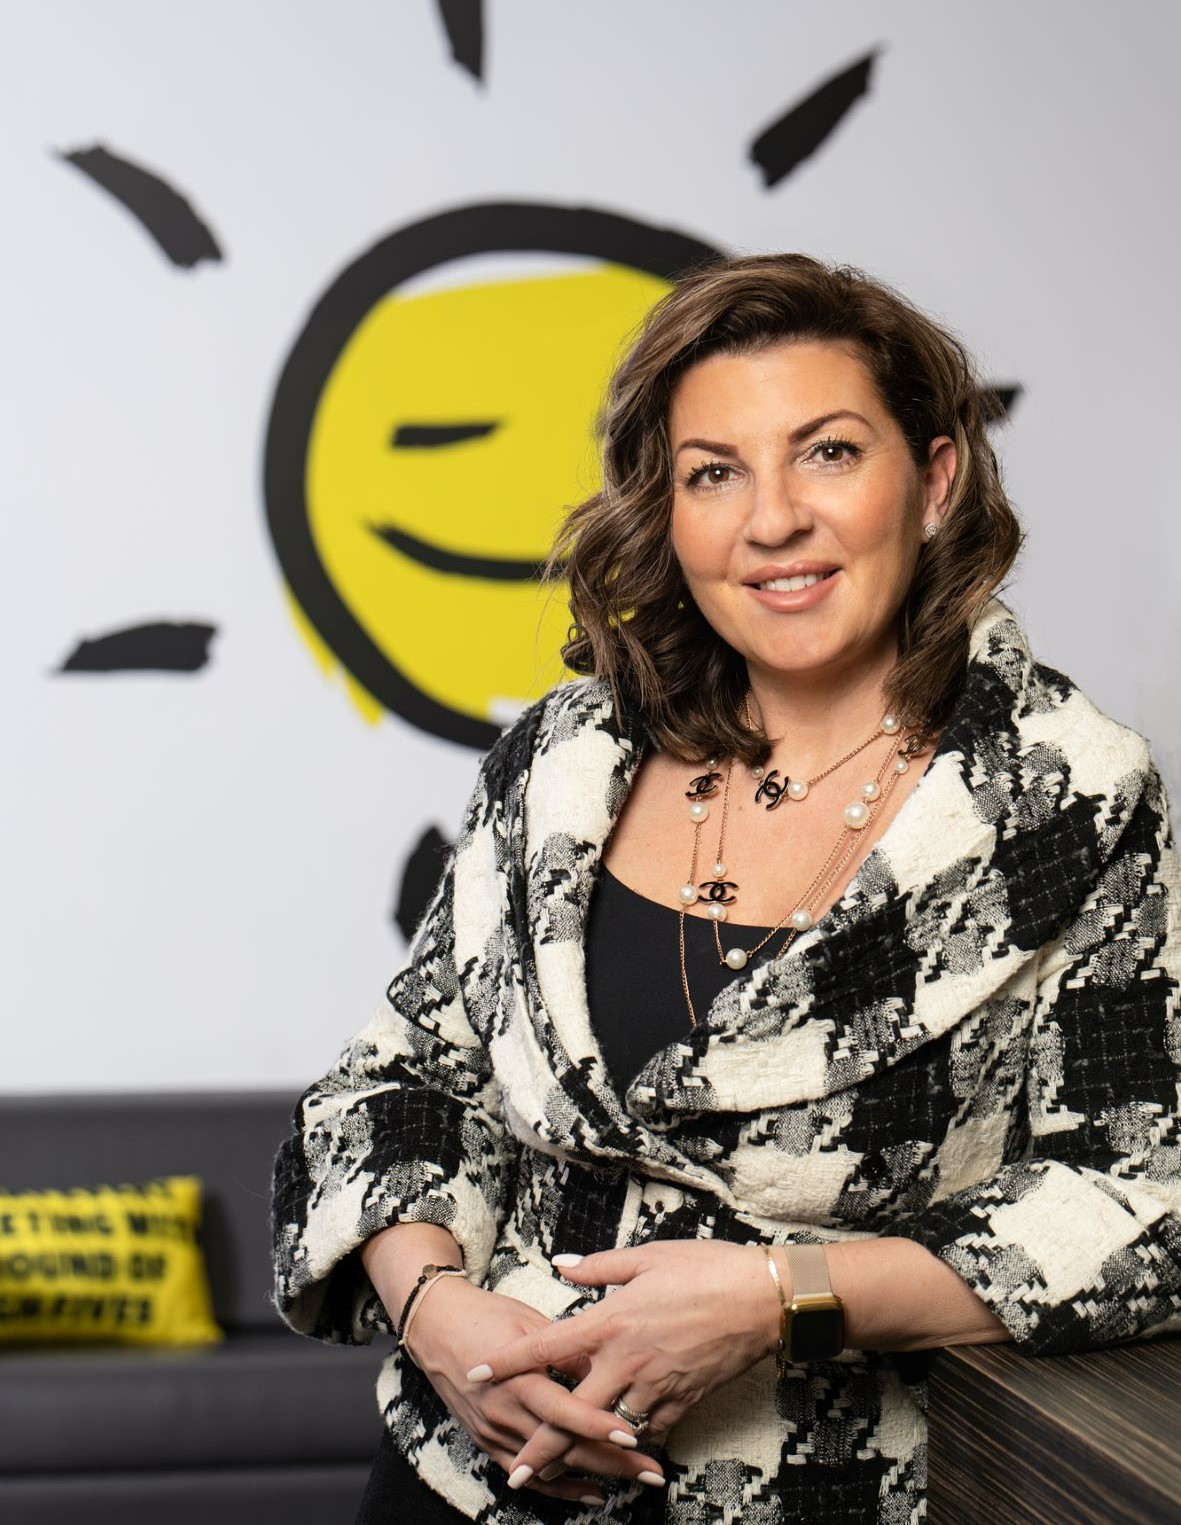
x,y
801,131
999,398
163,646
420,877
159,207
464,21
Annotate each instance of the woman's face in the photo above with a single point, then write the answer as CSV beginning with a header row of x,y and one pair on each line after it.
x,y
789,467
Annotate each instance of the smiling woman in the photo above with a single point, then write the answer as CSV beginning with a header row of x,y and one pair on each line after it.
x,y
855,502
665,1223
862,384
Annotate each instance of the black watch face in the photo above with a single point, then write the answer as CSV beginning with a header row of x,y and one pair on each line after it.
x,y
817,1334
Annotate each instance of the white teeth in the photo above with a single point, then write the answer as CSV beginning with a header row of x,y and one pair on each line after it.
x,y
794,584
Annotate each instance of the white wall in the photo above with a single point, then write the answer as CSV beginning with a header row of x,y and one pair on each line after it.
x,y
197,870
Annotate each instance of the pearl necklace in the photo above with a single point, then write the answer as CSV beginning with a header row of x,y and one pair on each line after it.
x,y
776,790
719,892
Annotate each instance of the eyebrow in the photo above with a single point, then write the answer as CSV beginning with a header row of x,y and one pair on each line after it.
x,y
794,437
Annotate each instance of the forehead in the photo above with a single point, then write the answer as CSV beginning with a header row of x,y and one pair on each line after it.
x,y
792,381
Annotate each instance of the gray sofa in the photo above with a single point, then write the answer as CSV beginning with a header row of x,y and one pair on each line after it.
x,y
267,1426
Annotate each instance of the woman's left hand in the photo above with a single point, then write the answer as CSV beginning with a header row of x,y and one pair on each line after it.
x,y
688,1316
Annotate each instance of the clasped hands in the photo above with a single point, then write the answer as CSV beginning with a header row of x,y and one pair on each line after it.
x,y
686,1317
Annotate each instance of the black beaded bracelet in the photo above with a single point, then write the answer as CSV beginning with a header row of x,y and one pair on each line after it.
x,y
429,1272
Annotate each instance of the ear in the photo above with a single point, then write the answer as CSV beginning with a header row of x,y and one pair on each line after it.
x,y
938,476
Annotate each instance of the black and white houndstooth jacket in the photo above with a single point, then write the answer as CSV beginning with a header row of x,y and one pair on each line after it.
x,y
978,1047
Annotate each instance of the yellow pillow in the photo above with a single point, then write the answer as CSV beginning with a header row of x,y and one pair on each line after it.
x,y
105,1263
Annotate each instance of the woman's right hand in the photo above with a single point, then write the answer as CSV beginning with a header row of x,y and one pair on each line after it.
x,y
453,1330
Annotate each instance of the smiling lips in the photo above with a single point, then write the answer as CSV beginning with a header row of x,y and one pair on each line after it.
x,y
794,584
791,587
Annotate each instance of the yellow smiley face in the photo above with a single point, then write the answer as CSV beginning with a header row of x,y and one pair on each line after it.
x,y
448,432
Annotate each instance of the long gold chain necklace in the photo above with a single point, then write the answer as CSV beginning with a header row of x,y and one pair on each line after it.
x,y
718,893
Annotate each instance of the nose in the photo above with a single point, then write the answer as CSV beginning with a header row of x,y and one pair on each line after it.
x,y
779,510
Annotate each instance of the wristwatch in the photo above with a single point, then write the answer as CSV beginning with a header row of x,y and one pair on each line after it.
x,y
813,1323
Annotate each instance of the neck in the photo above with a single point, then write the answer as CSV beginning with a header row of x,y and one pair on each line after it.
x,y
809,719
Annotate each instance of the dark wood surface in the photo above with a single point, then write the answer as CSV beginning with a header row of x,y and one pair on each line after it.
x,y
1089,1439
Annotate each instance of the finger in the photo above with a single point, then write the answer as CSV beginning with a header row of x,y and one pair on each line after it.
x,y
576,1368
567,1341
548,1448
607,1268
609,1461
602,1388
568,1414
564,1484
572,1489
554,1440
595,1460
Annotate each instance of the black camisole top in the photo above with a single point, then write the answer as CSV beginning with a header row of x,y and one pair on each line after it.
x,y
633,974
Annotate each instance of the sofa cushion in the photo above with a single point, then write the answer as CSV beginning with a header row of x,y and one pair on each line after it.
x,y
227,1138
259,1399
118,1264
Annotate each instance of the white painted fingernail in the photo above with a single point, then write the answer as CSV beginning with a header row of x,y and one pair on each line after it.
x,y
624,1438
565,1260
555,1469
480,1374
519,1476
653,1479
590,1498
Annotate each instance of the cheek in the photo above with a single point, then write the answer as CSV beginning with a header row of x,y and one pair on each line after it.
x,y
699,541
684,541
886,531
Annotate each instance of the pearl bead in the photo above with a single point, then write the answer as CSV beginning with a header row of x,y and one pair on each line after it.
x,y
890,724
797,789
736,958
871,789
698,812
902,766
715,911
719,870
801,920
688,893
756,773
856,815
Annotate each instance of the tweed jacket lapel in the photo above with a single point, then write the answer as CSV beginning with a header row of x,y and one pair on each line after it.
x,y
950,906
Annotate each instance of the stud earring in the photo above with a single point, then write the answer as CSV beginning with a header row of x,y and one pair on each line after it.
x,y
930,530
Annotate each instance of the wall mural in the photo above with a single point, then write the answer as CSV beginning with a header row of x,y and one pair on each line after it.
x,y
425,435
421,449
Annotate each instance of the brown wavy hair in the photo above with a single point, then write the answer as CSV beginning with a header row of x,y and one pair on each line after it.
x,y
635,622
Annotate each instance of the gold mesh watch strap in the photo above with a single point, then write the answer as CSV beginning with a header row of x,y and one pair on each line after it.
x,y
809,1270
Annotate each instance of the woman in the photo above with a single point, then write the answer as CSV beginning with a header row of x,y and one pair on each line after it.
x,y
798,996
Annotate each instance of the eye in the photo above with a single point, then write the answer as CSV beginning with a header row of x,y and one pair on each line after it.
x,y
833,452
711,474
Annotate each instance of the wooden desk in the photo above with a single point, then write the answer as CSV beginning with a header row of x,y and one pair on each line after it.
x,y
1056,1440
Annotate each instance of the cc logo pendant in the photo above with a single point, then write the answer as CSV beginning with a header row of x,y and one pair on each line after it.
x,y
717,892
772,790
702,786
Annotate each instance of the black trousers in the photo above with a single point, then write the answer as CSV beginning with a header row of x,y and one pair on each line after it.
x,y
396,1495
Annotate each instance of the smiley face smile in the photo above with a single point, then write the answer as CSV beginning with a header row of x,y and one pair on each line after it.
x,y
489,568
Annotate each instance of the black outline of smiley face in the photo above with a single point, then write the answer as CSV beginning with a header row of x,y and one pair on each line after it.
x,y
518,227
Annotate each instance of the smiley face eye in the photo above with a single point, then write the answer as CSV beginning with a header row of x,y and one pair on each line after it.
x,y
431,436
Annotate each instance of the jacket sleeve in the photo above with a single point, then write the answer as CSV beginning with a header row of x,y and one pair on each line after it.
x,y
1078,1245
405,1128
